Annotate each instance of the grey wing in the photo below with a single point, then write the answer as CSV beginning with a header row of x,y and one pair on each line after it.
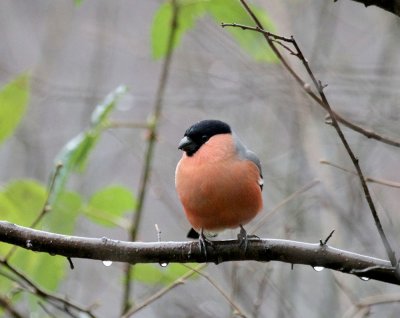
x,y
247,154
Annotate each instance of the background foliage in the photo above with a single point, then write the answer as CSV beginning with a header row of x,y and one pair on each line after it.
x,y
78,54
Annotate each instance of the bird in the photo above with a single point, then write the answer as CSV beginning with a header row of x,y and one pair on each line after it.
x,y
218,181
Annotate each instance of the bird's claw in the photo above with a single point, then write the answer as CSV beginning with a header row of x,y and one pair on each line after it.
x,y
244,238
203,241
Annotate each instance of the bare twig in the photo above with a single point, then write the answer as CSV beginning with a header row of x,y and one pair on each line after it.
x,y
38,291
322,243
353,158
7,307
238,311
388,183
263,250
364,305
262,287
281,204
348,292
47,311
163,291
323,101
152,138
258,29
272,39
46,207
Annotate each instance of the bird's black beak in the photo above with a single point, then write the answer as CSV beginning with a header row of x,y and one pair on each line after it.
x,y
188,145
185,143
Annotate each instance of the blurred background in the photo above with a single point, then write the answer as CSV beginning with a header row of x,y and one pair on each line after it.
x,y
78,54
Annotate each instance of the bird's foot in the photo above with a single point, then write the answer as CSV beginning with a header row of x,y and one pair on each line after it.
x,y
244,238
203,242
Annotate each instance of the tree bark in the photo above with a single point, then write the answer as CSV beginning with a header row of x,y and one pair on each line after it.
x,y
262,250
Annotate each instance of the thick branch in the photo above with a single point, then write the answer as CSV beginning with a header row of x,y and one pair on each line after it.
x,y
392,6
263,250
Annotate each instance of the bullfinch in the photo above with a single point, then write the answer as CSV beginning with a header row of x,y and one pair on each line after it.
x,y
218,180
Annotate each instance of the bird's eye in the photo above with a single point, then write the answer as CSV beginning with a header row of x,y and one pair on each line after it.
x,y
204,138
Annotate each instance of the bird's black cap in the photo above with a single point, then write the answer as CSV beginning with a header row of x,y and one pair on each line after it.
x,y
200,132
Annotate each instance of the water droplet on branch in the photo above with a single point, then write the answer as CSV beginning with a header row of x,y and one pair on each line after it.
x,y
28,244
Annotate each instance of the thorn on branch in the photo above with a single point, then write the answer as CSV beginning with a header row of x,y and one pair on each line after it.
x,y
321,86
323,243
71,264
158,232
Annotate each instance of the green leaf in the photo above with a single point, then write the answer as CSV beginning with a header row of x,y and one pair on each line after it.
x,y
62,216
21,202
189,12
175,271
108,205
78,2
231,11
228,11
155,274
8,211
27,198
45,270
74,155
14,99
5,287
147,273
101,112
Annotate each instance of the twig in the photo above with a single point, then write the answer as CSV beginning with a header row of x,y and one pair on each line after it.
x,y
147,163
38,291
275,209
263,250
238,310
48,313
46,207
163,291
8,308
260,294
324,102
322,243
348,292
258,29
270,38
355,161
388,183
364,304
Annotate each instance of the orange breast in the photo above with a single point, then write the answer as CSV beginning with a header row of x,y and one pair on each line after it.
x,y
218,192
